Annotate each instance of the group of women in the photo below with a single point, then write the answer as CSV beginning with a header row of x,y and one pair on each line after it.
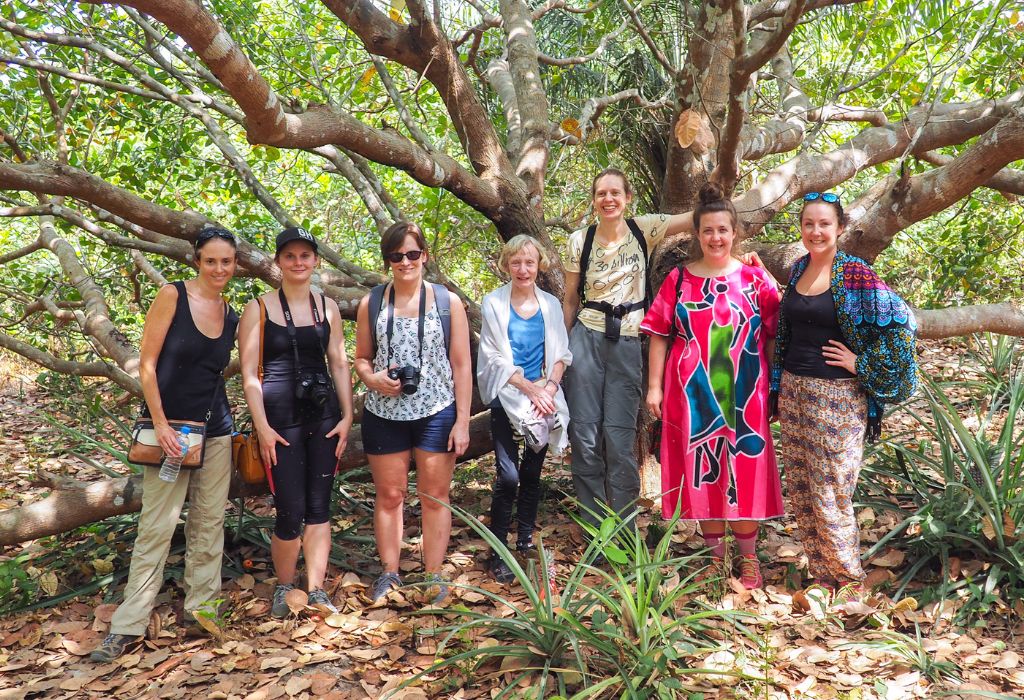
x,y
717,371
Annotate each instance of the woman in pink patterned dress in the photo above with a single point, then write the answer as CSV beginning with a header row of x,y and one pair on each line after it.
x,y
714,320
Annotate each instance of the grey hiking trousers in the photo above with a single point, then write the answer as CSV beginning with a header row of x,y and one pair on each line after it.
x,y
603,392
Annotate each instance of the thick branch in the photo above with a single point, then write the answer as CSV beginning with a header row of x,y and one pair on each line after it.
x,y
1007,181
745,63
78,369
1006,319
904,201
938,126
532,159
770,9
146,268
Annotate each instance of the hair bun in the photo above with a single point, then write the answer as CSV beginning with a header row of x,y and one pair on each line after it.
x,y
711,192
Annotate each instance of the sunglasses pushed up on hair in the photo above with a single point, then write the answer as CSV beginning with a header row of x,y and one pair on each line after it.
x,y
209,233
413,255
830,197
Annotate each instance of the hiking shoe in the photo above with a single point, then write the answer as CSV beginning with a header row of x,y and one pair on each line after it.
x,y
279,608
386,582
851,591
318,599
112,647
500,570
714,572
750,573
437,588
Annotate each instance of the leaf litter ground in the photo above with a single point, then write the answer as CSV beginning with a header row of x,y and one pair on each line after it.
x,y
804,647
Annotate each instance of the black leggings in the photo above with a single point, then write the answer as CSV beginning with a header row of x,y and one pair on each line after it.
x,y
516,482
303,477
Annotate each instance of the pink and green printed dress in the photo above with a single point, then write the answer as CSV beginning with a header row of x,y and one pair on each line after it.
x,y
717,459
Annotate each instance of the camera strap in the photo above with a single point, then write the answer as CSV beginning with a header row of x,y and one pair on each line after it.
x,y
419,330
293,333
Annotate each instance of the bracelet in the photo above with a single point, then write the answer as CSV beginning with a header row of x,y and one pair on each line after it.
x,y
550,381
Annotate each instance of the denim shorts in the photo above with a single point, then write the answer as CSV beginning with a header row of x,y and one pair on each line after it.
x,y
430,434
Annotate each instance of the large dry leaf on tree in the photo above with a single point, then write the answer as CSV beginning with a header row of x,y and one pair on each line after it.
x,y
692,131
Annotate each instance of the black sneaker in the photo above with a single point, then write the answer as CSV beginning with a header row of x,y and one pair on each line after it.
x,y
500,570
112,647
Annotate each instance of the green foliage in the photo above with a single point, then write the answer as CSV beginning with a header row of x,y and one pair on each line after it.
x,y
959,492
630,634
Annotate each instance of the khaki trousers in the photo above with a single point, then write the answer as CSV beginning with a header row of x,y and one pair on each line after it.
x,y
207,491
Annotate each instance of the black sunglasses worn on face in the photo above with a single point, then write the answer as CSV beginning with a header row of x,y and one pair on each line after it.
x,y
397,257
209,233
829,197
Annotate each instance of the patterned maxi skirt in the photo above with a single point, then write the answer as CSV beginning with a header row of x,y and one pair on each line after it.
x,y
823,423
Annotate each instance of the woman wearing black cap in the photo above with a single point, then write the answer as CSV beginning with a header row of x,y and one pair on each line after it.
x,y
299,393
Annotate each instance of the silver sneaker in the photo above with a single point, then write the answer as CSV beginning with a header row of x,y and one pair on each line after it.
x,y
319,599
437,588
279,607
112,647
385,583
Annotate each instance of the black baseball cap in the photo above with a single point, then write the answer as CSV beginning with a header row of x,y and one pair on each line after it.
x,y
294,233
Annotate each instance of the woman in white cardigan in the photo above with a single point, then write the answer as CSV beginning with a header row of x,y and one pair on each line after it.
x,y
524,351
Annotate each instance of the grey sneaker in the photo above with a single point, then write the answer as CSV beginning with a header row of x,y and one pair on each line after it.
x,y
279,608
318,599
112,647
437,588
386,582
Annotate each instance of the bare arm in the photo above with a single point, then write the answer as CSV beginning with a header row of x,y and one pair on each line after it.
x,y
337,362
249,357
656,373
462,372
679,223
374,381
571,300
154,332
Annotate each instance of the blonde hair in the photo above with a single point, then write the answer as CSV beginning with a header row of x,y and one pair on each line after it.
x,y
516,246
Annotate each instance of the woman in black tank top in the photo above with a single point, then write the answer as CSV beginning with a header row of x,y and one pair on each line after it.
x,y
186,344
301,409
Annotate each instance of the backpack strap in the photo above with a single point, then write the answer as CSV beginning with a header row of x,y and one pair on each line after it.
x,y
673,331
263,327
588,244
373,307
634,228
443,304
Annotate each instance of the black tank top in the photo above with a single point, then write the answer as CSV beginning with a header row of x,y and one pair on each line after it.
x,y
188,369
813,322
282,408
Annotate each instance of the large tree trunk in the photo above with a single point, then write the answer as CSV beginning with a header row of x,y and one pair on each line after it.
x,y
72,503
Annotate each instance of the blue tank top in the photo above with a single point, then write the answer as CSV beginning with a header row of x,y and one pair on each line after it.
x,y
526,336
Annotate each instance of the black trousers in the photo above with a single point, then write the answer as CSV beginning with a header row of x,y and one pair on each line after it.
x,y
516,482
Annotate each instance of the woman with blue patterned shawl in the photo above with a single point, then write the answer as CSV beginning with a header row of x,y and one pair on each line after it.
x,y
844,349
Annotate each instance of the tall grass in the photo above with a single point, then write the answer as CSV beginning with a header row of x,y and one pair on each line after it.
x,y
957,485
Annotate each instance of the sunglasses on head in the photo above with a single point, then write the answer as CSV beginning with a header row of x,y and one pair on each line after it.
x,y
397,257
829,197
207,234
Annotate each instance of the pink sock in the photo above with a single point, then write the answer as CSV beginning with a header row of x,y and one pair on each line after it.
x,y
746,543
714,542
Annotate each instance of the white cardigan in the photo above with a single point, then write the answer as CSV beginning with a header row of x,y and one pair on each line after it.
x,y
494,365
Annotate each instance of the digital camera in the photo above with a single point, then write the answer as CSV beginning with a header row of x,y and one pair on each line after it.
x,y
314,387
409,377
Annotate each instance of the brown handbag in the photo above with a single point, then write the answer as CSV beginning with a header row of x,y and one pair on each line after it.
x,y
245,447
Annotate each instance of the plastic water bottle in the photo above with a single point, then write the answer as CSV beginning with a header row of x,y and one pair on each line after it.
x,y
172,463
